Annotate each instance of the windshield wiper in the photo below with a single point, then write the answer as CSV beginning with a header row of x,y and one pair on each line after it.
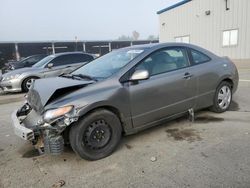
x,y
66,75
78,76
83,76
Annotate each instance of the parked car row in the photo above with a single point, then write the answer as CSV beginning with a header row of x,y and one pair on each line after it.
x,y
26,62
122,92
21,79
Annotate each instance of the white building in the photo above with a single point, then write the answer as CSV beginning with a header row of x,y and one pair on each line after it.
x,y
221,26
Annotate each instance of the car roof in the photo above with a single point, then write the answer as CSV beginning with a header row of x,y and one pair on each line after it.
x,y
142,46
30,56
69,53
166,44
170,44
37,55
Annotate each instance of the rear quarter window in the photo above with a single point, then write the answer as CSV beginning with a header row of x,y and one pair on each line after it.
x,y
198,57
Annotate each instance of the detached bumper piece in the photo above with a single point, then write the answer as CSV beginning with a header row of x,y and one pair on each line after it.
x,y
20,130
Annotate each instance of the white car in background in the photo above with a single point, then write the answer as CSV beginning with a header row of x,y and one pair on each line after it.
x,y
51,66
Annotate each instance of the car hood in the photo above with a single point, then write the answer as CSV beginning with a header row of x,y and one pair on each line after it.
x,y
47,90
20,71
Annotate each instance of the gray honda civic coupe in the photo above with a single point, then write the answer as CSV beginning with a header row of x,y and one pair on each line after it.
x,y
121,93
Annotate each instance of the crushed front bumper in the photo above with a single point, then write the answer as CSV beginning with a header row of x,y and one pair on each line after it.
x,y
29,125
20,130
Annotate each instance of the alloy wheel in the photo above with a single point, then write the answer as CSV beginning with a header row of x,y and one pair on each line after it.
x,y
29,83
224,97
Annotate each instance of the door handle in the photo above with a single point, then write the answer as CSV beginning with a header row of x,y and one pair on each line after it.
x,y
187,76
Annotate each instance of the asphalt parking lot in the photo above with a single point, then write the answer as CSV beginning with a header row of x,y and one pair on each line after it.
x,y
213,151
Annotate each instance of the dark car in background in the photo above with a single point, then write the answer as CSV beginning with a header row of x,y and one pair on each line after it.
x,y
123,92
26,62
50,66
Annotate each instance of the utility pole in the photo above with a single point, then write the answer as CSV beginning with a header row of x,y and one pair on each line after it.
x,y
110,47
53,48
84,46
75,43
17,52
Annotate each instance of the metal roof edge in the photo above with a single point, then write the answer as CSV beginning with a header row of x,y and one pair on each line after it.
x,y
72,41
173,6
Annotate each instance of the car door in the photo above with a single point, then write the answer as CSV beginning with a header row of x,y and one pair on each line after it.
x,y
171,88
205,70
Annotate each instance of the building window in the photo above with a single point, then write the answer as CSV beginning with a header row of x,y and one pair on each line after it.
x,y
184,39
230,37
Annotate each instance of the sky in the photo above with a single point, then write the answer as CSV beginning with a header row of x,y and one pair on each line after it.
x,y
39,20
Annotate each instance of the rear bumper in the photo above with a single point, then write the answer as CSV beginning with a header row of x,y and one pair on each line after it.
x,y
20,130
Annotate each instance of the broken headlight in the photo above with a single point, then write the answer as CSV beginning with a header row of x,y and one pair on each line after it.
x,y
56,113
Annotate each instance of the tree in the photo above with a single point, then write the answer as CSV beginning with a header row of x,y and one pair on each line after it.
x,y
136,35
124,37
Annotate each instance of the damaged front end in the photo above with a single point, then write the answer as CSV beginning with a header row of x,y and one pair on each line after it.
x,y
43,128
43,125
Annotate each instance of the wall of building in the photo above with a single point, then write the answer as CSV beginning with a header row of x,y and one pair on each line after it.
x,y
206,30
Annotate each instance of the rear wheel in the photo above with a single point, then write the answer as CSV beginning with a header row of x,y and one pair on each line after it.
x,y
222,98
96,135
27,83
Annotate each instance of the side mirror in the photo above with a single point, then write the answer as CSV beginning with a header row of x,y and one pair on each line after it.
x,y
50,65
140,75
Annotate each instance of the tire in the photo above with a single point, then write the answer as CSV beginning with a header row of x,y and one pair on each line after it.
x,y
96,135
25,87
222,97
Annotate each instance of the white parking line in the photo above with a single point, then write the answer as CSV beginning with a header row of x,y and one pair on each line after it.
x,y
244,80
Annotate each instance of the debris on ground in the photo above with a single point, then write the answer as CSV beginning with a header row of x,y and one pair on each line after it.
x,y
58,184
153,159
128,146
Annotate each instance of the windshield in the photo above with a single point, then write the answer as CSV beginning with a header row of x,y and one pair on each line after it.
x,y
44,61
108,64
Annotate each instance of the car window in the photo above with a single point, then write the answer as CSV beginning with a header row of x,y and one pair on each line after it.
x,y
31,60
59,61
38,58
199,57
62,60
107,65
78,58
27,60
43,62
164,61
70,59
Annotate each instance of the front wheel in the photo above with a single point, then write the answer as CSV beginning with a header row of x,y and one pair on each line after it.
x,y
96,135
222,98
27,83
